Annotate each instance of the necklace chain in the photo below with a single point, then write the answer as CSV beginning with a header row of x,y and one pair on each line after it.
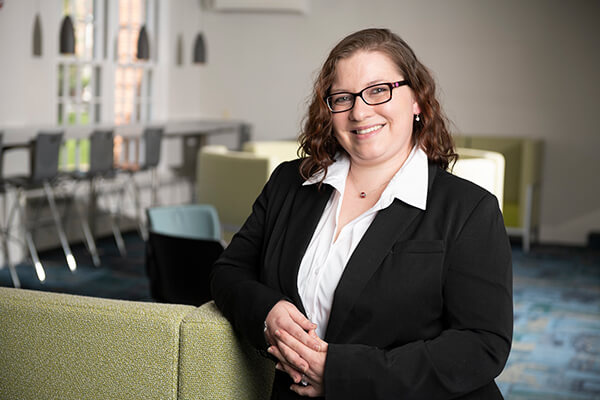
x,y
363,194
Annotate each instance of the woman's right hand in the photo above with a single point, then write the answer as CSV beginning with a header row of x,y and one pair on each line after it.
x,y
284,316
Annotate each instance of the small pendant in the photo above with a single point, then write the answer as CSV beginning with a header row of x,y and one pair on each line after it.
x,y
363,195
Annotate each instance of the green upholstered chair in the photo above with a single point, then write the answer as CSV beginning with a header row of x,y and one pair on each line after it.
x,y
485,168
522,180
280,150
231,181
73,347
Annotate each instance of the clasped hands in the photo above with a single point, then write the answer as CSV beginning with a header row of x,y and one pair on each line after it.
x,y
295,344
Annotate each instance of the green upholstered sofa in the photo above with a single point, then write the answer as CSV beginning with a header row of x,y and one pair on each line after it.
x,y
522,179
57,346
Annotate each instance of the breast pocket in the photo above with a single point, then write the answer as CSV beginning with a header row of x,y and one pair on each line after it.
x,y
419,246
405,295
411,278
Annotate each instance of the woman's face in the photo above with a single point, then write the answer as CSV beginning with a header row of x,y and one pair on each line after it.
x,y
376,135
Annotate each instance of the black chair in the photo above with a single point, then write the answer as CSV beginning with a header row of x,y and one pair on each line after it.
x,y
179,267
151,141
44,150
101,168
4,231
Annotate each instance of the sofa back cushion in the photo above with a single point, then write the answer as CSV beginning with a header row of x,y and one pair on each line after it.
x,y
73,347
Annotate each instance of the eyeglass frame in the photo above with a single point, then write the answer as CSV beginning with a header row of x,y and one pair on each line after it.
x,y
391,85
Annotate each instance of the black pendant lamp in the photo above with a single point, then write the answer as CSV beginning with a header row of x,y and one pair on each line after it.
x,y
37,36
143,47
67,36
179,51
199,49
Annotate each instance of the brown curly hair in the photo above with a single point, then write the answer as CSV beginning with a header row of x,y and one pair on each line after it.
x,y
317,141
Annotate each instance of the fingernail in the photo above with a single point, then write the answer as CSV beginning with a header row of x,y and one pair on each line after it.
x,y
278,366
270,349
277,333
318,347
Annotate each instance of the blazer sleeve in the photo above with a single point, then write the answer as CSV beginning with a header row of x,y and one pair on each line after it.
x,y
478,318
235,285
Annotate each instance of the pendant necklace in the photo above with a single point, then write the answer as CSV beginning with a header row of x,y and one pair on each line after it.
x,y
363,194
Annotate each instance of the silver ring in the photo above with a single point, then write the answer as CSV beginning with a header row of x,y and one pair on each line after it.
x,y
303,381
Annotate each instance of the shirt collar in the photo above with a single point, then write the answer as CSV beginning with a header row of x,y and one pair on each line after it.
x,y
409,184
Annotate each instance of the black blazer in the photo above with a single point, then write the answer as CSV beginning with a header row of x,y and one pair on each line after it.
x,y
423,309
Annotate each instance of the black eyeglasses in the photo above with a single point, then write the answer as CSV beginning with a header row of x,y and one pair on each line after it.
x,y
372,95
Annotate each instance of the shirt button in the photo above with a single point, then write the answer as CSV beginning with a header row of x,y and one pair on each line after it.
x,y
316,271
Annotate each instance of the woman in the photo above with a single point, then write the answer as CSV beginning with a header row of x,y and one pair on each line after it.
x,y
366,269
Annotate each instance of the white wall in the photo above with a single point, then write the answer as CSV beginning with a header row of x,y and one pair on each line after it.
x,y
514,67
506,68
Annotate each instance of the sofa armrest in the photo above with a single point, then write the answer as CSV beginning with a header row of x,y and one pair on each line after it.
x,y
217,364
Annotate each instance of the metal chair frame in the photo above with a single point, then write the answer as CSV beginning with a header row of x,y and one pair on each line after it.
x,y
152,138
44,152
4,231
100,169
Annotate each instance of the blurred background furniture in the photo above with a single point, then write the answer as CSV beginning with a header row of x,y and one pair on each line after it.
x,y
278,150
44,153
195,138
150,148
485,168
94,167
194,221
522,180
4,231
85,347
183,243
231,181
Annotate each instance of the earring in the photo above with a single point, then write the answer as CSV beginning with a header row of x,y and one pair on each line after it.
x,y
417,118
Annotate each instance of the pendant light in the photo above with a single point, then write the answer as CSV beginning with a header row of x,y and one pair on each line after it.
x,y
199,49
143,47
67,36
37,36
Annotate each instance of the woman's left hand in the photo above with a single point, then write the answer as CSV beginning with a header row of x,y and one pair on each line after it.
x,y
313,374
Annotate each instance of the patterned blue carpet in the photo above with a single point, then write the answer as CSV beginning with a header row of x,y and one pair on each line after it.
x,y
556,347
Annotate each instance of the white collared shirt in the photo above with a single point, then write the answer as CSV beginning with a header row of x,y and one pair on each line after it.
x,y
325,260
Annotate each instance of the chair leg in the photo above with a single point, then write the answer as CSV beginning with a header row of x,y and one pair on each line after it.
x,y
87,232
21,203
114,223
61,233
154,187
528,218
11,267
138,210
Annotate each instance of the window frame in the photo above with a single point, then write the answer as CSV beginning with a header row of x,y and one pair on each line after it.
x,y
81,104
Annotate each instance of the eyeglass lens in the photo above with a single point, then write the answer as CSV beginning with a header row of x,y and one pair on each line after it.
x,y
372,95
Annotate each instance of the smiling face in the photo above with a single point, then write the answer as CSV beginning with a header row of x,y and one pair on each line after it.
x,y
377,135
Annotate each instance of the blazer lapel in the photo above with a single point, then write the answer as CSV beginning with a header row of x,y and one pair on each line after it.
x,y
387,228
308,206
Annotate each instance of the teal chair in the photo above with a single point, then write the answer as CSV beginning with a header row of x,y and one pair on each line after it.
x,y
193,221
183,243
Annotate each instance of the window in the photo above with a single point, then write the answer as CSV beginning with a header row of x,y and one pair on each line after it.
x,y
134,77
80,74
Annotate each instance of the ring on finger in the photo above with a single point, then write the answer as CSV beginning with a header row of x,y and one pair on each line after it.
x,y
303,380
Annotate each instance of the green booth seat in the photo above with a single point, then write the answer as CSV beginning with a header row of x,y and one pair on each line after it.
x,y
522,180
74,347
